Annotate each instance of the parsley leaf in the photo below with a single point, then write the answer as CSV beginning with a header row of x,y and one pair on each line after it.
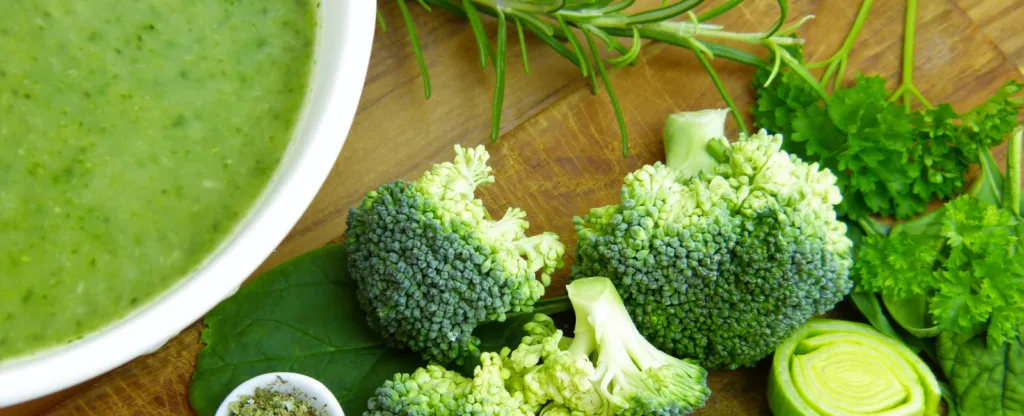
x,y
888,161
970,269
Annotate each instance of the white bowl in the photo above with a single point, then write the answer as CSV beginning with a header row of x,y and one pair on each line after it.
x,y
318,395
344,39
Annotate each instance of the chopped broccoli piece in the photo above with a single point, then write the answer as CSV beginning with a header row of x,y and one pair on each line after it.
x,y
634,376
607,369
724,252
431,264
435,391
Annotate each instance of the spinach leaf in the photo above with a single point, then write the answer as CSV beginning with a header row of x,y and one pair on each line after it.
x,y
302,316
987,379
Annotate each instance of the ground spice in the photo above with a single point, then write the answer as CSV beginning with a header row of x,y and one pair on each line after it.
x,y
269,402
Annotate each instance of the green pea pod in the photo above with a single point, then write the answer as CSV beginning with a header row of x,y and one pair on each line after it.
x,y
832,367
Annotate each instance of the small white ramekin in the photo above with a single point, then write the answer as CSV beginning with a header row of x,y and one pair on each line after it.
x,y
318,395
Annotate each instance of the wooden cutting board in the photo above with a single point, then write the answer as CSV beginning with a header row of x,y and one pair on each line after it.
x,y
560,153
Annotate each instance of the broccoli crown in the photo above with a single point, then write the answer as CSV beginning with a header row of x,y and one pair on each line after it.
x,y
430,263
434,391
723,264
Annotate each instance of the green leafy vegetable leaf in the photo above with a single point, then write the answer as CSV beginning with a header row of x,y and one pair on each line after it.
x,y
871,308
780,101
970,272
303,317
911,313
994,119
898,266
989,186
985,378
888,161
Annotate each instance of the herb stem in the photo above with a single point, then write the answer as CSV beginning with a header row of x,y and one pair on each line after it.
x,y
871,226
908,42
1013,153
907,90
691,30
802,72
721,88
837,62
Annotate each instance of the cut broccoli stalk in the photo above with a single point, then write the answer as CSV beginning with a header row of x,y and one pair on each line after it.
x,y
695,141
630,372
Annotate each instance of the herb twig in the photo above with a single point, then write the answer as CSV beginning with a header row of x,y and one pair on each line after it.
x,y
836,65
907,89
1013,178
558,22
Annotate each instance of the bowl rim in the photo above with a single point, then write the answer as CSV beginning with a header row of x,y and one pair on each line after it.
x,y
345,30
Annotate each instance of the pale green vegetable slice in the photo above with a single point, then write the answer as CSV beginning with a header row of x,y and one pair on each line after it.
x,y
832,367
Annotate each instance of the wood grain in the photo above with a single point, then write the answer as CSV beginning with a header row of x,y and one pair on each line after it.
x,y
560,154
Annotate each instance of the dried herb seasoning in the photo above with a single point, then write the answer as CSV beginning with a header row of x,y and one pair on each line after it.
x,y
267,401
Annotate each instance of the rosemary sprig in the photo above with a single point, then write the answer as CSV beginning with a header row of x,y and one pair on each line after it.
x,y
561,23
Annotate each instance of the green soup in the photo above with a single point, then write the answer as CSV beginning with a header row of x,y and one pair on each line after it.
x,y
134,135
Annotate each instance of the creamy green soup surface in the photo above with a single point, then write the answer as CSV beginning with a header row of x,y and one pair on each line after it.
x,y
134,135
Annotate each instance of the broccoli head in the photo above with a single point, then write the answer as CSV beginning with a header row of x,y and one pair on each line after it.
x,y
606,369
724,251
431,265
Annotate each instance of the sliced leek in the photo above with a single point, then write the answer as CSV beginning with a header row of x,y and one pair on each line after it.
x,y
845,368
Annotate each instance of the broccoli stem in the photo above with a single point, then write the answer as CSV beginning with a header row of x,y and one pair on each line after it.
x,y
624,360
552,306
689,140
871,226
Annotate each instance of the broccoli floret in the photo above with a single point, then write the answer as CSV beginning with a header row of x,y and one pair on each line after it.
x,y
632,374
724,252
606,369
431,265
435,391
549,376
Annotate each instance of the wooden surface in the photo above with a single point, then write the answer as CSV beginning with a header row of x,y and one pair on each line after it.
x,y
560,153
